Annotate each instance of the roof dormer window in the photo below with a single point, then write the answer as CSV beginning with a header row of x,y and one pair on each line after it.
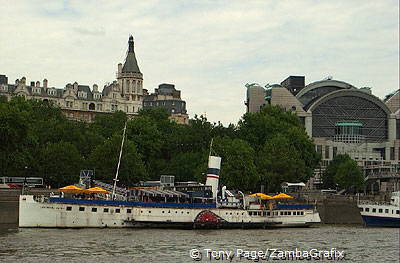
x,y
82,94
51,92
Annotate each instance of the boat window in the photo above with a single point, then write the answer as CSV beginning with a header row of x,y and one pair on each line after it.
x,y
149,212
141,211
367,209
281,213
387,211
81,208
373,210
69,208
162,211
117,210
94,209
302,212
169,211
397,211
188,213
105,210
250,213
380,210
130,211
268,213
289,213
361,209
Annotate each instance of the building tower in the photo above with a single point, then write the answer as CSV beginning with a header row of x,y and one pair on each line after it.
x,y
130,79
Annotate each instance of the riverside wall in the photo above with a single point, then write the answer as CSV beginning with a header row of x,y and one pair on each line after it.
x,y
9,203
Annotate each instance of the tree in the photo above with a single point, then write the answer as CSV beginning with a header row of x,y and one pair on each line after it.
x,y
349,176
283,150
328,177
104,160
238,170
60,164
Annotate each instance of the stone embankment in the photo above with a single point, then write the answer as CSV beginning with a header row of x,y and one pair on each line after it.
x,y
9,203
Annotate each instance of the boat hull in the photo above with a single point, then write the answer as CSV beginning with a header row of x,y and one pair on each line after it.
x,y
381,221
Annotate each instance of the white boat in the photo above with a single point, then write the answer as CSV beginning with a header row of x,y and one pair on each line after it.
x,y
381,213
164,207
227,212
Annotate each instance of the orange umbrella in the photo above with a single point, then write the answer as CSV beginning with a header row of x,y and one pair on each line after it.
x,y
96,190
282,196
70,189
262,196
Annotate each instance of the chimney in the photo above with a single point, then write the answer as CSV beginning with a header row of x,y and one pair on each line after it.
x,y
32,84
23,81
95,88
45,83
76,86
119,68
37,84
214,166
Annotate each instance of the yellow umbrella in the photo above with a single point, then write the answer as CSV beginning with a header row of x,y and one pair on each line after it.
x,y
282,196
262,196
70,189
96,190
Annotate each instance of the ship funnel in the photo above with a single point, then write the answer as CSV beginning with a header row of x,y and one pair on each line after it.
x,y
214,165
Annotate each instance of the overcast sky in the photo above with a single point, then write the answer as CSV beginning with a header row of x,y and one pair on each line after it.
x,y
208,49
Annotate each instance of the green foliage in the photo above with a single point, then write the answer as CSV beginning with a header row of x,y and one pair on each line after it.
x,y
104,160
264,148
283,150
238,170
349,176
345,173
60,164
328,177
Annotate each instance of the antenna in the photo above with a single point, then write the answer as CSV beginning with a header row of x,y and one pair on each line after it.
x,y
119,162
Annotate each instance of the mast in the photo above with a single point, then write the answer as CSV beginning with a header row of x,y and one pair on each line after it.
x,y
119,162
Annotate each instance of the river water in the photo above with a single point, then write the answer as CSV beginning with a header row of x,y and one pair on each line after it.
x,y
359,244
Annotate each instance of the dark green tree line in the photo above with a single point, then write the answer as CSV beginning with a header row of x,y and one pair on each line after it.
x,y
268,147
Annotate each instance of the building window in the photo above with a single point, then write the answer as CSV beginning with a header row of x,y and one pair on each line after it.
x,y
327,152
114,96
319,149
126,108
69,104
334,152
91,106
391,153
99,107
84,105
114,107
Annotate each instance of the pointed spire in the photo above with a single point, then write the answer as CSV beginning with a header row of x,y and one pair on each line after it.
x,y
130,65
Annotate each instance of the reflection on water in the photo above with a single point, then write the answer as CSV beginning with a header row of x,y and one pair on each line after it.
x,y
157,245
